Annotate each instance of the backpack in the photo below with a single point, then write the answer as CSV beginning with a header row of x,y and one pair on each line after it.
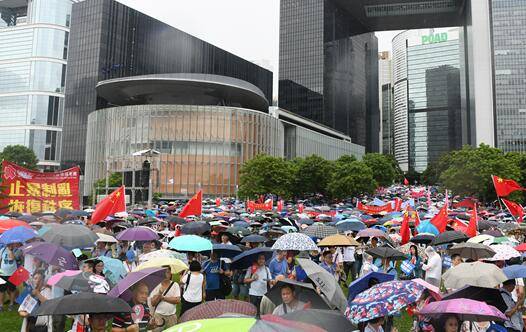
x,y
225,283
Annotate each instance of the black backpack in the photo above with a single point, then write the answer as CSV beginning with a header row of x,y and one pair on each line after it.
x,y
225,283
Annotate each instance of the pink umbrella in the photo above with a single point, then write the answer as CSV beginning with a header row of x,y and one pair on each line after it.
x,y
371,232
56,278
465,309
434,290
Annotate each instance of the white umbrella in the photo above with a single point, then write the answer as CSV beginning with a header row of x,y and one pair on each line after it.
x,y
106,238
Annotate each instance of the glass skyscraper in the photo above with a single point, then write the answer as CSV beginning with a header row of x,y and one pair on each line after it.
x,y
34,49
328,69
508,19
426,96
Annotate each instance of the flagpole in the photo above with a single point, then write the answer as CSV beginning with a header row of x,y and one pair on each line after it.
x,y
507,208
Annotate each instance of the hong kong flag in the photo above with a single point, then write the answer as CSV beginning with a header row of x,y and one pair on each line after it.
x,y
504,187
515,209
193,207
19,276
111,204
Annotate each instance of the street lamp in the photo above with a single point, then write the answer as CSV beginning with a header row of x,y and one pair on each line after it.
x,y
148,153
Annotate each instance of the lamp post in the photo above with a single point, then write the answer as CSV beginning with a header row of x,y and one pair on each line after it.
x,y
149,153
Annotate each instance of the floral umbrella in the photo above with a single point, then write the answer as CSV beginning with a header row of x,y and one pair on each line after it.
x,y
383,299
295,241
503,252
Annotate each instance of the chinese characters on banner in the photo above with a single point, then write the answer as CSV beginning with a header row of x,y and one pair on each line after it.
x,y
28,191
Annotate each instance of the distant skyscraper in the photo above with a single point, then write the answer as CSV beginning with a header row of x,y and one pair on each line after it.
x,y
34,48
508,19
427,104
327,72
385,79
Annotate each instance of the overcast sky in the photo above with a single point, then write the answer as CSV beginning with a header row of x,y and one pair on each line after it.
x,y
248,28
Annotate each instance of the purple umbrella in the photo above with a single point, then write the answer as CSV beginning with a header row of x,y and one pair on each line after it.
x,y
139,233
150,276
51,254
465,309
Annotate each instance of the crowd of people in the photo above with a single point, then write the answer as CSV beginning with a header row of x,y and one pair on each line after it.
x,y
369,269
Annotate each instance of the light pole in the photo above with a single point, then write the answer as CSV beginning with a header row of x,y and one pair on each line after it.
x,y
149,153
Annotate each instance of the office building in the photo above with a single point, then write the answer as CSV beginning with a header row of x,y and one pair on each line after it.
x,y
34,37
427,96
110,40
327,74
508,18
385,93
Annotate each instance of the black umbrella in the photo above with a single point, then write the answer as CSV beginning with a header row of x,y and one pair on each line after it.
x,y
238,231
386,252
423,238
491,296
71,236
486,224
176,220
254,238
196,228
84,282
329,320
83,303
474,251
449,237
247,258
492,232
61,213
304,292
224,250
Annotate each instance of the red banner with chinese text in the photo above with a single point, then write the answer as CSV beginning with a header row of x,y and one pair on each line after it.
x,y
371,209
30,191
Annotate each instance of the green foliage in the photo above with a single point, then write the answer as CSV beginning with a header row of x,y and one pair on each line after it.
x,y
413,176
266,174
398,171
115,180
351,179
382,167
345,159
469,171
20,155
311,175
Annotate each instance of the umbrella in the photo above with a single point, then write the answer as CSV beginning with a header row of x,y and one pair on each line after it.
x,y
423,238
56,277
491,296
406,249
224,250
515,271
217,308
474,251
427,227
18,234
247,258
503,252
304,292
139,233
105,238
331,321
486,224
243,324
465,309
475,274
320,230
83,303
84,282
176,220
238,231
481,238
449,237
338,240
113,269
362,283
151,276
11,223
504,240
241,223
162,253
254,238
383,299
195,227
492,232
295,241
51,254
521,247
326,282
70,236
350,225
371,232
386,252
434,290
176,265
191,243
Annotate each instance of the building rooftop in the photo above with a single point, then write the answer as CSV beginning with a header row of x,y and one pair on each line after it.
x,y
182,88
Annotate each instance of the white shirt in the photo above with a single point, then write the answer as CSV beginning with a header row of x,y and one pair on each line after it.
x,y
433,267
258,287
165,308
194,292
348,254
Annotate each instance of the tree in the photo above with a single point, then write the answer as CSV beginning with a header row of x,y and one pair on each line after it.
x,y
345,159
398,171
20,155
351,179
382,168
431,175
311,175
470,169
114,181
265,174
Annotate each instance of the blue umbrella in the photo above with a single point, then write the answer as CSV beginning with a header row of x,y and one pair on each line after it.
x,y
224,250
192,243
254,238
17,234
247,258
114,270
515,271
361,284
241,223
350,225
427,227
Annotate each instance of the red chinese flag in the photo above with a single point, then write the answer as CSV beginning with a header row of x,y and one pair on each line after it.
x,y
193,207
280,205
466,202
19,276
504,187
417,219
472,226
406,182
300,208
515,209
111,204
440,219
218,202
405,232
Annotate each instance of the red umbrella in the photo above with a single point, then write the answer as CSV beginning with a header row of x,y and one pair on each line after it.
x,y
11,223
217,308
521,247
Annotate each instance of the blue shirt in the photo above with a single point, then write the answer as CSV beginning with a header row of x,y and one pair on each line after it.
x,y
211,271
8,266
329,268
276,268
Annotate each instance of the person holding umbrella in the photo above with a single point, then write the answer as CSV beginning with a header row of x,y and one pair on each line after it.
x,y
258,277
9,259
140,319
164,299
193,287
212,270
513,312
41,293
